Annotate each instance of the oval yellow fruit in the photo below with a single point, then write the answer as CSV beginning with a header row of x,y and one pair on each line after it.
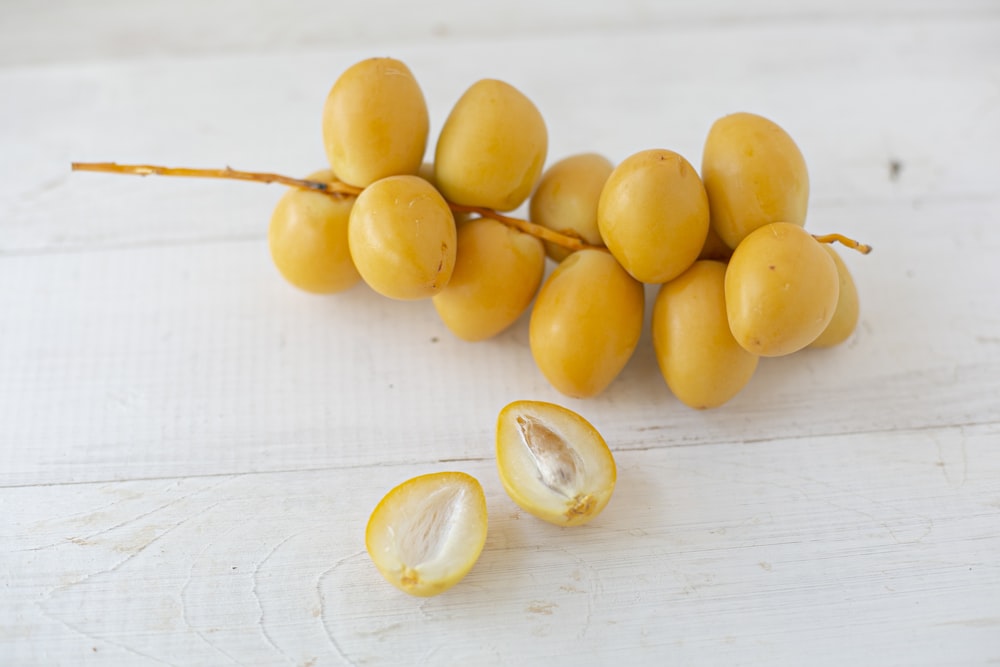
x,y
375,122
754,174
845,317
308,239
585,323
402,238
781,290
700,360
653,215
492,147
497,272
566,199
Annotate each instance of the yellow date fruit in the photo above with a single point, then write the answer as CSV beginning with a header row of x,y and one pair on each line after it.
x,y
566,199
426,534
653,215
845,317
700,360
402,238
781,290
308,239
553,463
375,122
492,147
585,323
497,272
754,174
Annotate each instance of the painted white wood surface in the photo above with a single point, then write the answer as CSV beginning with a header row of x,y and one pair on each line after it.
x,y
189,448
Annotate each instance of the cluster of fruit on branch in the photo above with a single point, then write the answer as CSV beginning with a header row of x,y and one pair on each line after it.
x,y
739,278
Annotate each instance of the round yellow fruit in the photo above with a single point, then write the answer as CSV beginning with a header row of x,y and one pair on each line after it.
x,y
402,238
754,174
781,290
585,323
653,215
566,199
700,360
845,317
492,147
497,272
375,122
308,239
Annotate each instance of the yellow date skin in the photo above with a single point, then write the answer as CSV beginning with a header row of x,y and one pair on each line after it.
x,y
754,174
845,317
700,360
402,238
653,215
586,323
497,272
308,239
492,147
781,290
566,200
375,122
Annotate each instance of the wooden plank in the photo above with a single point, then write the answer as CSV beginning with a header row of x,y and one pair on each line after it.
x,y
49,32
879,549
189,448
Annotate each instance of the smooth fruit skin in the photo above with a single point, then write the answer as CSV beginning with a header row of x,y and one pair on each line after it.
x,y
781,290
754,174
308,239
845,317
492,147
405,515
497,272
700,360
653,215
585,323
594,472
375,122
566,199
402,238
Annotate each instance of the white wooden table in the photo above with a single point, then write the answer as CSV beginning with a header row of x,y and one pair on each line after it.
x,y
190,448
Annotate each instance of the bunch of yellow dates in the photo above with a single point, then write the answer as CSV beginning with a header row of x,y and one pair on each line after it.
x,y
739,277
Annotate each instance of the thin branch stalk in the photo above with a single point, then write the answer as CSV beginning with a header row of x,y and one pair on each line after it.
x,y
333,188
340,190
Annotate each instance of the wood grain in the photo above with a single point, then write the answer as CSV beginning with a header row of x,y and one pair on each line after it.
x,y
767,552
190,448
